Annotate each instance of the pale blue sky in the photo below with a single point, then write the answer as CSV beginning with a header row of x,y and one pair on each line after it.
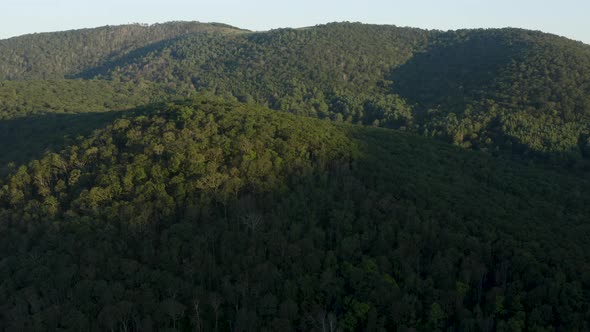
x,y
568,18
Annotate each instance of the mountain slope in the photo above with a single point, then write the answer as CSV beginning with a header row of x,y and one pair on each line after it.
x,y
65,54
321,71
38,116
529,88
216,215
513,90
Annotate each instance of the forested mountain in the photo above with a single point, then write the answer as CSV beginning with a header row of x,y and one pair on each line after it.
x,y
343,177
513,89
516,90
36,116
65,54
208,215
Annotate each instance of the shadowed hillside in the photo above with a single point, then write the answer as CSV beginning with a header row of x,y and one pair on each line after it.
x,y
516,89
214,215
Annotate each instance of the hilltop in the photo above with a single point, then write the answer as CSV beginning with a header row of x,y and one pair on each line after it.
x,y
64,54
216,215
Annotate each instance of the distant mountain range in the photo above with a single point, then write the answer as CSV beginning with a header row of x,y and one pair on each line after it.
x,y
512,89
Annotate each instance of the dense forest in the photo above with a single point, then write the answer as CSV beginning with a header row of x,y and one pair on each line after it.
x,y
518,91
36,116
235,217
65,54
343,177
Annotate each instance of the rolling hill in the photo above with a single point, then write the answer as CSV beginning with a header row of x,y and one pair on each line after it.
x,y
524,92
66,54
209,215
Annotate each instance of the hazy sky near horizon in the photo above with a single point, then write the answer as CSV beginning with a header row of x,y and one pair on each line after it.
x,y
567,18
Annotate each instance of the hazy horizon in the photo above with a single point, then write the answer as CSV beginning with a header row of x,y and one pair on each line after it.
x,y
283,27
567,18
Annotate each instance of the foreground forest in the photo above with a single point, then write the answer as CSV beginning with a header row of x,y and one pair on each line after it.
x,y
216,215
345,177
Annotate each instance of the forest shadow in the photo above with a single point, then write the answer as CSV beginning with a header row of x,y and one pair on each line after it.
x,y
126,59
385,214
27,138
455,70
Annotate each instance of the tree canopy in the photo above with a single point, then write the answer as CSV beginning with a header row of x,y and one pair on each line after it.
x,y
209,214
344,177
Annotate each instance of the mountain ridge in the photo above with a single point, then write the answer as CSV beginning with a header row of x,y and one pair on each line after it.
x,y
147,25
513,90
92,45
296,28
